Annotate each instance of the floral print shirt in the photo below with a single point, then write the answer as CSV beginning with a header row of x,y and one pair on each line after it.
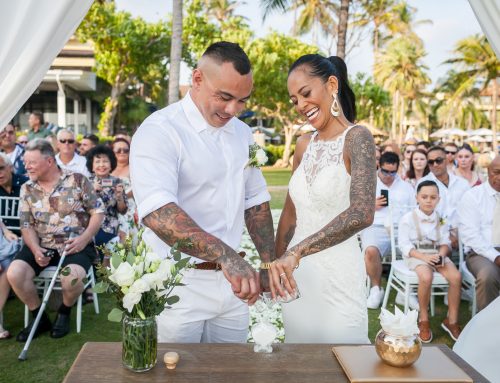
x,y
107,195
56,214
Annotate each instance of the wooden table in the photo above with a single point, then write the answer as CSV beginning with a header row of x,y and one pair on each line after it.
x,y
227,363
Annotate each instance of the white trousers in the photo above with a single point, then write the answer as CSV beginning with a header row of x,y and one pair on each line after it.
x,y
208,312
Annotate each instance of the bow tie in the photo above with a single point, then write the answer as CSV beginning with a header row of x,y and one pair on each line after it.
x,y
428,220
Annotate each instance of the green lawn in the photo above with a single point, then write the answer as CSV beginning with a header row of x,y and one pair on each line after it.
x,y
50,359
276,176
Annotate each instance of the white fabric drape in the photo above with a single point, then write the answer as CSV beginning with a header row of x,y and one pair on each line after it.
x,y
32,33
488,14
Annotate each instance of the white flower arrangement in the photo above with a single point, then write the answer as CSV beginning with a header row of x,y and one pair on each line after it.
x,y
257,156
140,280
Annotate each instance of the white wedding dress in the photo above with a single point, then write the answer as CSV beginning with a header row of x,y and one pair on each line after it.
x,y
332,282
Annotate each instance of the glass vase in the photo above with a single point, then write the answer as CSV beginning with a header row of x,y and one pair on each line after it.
x,y
398,351
139,343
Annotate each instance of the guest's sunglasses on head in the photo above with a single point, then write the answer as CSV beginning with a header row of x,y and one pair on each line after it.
x,y
388,172
69,141
450,152
23,142
437,161
122,150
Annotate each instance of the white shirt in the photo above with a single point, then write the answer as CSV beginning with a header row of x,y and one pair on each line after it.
x,y
176,157
475,214
401,194
407,231
449,197
78,164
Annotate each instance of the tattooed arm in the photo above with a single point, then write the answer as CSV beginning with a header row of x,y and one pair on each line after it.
x,y
171,224
360,151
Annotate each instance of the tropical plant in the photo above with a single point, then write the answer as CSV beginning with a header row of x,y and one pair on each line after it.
x,y
475,59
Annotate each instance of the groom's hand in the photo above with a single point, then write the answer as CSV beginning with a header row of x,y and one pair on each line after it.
x,y
264,281
243,277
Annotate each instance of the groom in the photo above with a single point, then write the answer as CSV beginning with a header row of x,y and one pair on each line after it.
x,y
190,181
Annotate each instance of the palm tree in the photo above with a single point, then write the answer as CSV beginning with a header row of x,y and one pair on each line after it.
x,y
401,72
175,52
342,27
476,59
222,10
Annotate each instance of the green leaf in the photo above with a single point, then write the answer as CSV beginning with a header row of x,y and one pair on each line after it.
x,y
116,260
66,271
130,258
74,281
115,315
182,263
85,280
173,299
101,287
177,256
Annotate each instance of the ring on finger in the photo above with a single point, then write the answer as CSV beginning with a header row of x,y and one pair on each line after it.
x,y
282,274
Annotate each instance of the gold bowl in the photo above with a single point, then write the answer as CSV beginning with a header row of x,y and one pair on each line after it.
x,y
398,351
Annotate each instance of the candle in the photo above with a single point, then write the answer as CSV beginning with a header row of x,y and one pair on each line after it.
x,y
171,358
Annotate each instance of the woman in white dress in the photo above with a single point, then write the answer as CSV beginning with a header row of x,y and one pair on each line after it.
x,y
331,198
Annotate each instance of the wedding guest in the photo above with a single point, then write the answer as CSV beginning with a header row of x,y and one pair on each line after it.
x,y
22,140
451,149
67,158
10,186
331,198
479,224
424,145
425,246
418,167
465,166
123,134
14,151
451,189
128,225
190,182
375,239
377,156
37,128
89,141
46,225
101,161
405,164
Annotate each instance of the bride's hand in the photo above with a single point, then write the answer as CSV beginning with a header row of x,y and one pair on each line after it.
x,y
281,275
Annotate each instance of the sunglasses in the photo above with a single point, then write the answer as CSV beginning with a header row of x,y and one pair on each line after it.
x,y
437,161
23,142
448,152
122,151
67,141
389,173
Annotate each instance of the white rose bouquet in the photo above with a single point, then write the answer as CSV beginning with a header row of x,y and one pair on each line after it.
x,y
140,280
257,156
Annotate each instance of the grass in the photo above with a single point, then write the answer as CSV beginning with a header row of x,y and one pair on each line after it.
x,y
50,359
277,176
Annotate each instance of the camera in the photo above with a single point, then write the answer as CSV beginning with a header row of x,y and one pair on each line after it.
x,y
50,253
106,182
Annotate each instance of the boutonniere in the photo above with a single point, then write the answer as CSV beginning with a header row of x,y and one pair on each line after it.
x,y
442,221
257,156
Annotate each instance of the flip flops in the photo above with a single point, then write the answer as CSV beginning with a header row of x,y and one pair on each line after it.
x,y
4,334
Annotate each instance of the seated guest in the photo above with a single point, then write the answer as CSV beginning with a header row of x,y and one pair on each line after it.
x,y
451,150
67,158
479,224
424,145
10,186
425,245
14,151
54,205
101,161
375,239
451,189
8,249
465,166
405,164
418,167
22,140
89,141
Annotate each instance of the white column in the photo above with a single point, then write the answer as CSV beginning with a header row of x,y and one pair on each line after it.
x,y
76,115
88,115
61,108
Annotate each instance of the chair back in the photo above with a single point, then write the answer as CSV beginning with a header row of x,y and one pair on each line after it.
x,y
393,226
9,210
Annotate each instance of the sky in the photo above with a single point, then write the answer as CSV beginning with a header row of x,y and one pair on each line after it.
x,y
452,20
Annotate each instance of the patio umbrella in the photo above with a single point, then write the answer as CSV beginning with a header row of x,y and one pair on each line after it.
x,y
457,132
482,132
440,133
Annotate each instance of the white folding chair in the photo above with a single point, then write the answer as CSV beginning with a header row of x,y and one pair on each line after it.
x,y
42,282
9,209
404,280
468,279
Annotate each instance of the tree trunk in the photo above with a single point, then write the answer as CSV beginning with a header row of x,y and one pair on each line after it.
x,y
107,119
175,52
401,121
395,100
342,28
494,116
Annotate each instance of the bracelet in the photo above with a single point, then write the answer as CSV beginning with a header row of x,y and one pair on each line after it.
x,y
297,258
265,265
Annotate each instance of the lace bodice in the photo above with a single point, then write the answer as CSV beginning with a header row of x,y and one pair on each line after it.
x,y
320,186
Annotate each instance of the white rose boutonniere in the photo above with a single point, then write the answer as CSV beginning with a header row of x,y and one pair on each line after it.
x,y
257,156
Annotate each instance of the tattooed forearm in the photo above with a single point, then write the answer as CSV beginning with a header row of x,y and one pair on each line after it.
x,y
361,151
171,224
259,223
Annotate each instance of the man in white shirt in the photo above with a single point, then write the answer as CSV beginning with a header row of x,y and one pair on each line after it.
x,y
375,239
190,179
67,158
479,227
451,189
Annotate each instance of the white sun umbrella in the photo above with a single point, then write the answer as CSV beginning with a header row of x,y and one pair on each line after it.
x,y
482,132
440,133
475,139
457,132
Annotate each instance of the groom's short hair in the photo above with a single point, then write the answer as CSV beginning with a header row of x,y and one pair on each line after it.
x,y
224,51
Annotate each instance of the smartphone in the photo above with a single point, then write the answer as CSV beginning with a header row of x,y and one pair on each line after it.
x,y
50,253
106,182
385,193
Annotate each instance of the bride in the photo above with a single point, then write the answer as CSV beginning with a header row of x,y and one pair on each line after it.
x,y
331,198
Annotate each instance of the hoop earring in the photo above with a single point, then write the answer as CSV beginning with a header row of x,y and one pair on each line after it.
x,y
335,108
